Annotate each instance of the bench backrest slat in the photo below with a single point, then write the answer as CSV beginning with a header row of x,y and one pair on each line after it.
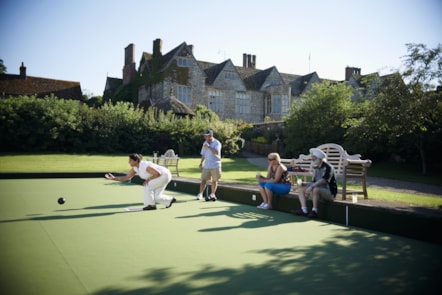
x,y
336,156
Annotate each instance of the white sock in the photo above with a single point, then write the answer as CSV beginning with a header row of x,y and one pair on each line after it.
x,y
304,209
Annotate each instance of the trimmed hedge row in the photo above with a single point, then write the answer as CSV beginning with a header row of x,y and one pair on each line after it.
x,y
30,124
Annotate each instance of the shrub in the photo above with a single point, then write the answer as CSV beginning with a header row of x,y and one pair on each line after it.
x,y
57,125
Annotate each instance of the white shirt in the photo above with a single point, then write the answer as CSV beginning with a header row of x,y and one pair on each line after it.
x,y
211,161
142,170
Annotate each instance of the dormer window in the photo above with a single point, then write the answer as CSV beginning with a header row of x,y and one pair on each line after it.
x,y
229,75
184,62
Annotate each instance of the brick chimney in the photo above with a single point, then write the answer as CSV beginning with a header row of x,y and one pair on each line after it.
x,y
352,72
22,71
157,47
129,54
129,72
249,61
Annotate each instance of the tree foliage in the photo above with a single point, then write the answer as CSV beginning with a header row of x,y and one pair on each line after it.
x,y
319,118
423,66
2,67
58,125
404,119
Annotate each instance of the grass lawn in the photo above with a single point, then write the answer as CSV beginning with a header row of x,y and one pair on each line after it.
x,y
91,245
236,170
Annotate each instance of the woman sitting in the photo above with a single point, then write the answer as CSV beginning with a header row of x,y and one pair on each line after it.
x,y
277,181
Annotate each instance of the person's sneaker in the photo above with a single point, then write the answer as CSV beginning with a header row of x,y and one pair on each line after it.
x,y
171,203
313,214
150,207
260,206
266,207
298,212
212,197
199,196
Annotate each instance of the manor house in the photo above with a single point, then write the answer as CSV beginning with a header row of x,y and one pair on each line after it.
x,y
233,92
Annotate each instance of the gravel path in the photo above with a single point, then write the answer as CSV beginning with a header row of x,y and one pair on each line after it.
x,y
404,186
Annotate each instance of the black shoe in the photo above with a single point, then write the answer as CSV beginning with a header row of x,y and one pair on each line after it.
x,y
313,214
171,202
150,207
207,199
298,212
212,197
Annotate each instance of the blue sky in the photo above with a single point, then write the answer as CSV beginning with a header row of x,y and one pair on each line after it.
x,y
84,40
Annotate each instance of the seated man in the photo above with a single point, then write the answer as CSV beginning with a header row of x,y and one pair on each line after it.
x,y
322,187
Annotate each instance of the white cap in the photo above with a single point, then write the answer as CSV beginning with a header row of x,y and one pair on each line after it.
x,y
317,153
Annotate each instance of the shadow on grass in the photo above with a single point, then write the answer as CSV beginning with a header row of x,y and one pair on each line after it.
x,y
359,263
39,217
61,217
254,218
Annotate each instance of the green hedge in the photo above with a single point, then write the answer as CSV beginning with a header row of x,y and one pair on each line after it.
x,y
30,124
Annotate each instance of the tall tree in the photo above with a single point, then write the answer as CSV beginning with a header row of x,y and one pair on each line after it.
x,y
2,67
318,118
405,115
423,66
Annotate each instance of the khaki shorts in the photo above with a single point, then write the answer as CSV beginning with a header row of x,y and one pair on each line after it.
x,y
325,194
208,174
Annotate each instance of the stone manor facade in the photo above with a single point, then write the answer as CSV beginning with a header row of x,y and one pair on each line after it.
x,y
233,92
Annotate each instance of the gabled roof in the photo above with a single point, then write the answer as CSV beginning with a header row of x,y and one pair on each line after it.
x,y
257,80
168,57
144,61
246,72
361,87
300,84
289,78
16,85
146,58
213,71
171,55
112,84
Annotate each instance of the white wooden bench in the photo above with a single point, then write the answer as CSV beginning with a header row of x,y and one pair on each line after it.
x,y
169,160
346,166
170,163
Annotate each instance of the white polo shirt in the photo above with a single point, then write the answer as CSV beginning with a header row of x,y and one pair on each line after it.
x,y
142,170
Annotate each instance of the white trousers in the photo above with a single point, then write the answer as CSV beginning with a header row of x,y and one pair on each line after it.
x,y
153,191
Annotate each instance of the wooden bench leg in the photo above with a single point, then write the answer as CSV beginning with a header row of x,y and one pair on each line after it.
x,y
344,186
364,186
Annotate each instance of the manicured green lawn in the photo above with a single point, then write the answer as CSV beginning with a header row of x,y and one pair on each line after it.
x,y
237,170
91,245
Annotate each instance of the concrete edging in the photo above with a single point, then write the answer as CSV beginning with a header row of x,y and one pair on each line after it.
x,y
388,220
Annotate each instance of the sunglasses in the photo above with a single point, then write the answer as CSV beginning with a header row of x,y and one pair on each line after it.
x,y
270,159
